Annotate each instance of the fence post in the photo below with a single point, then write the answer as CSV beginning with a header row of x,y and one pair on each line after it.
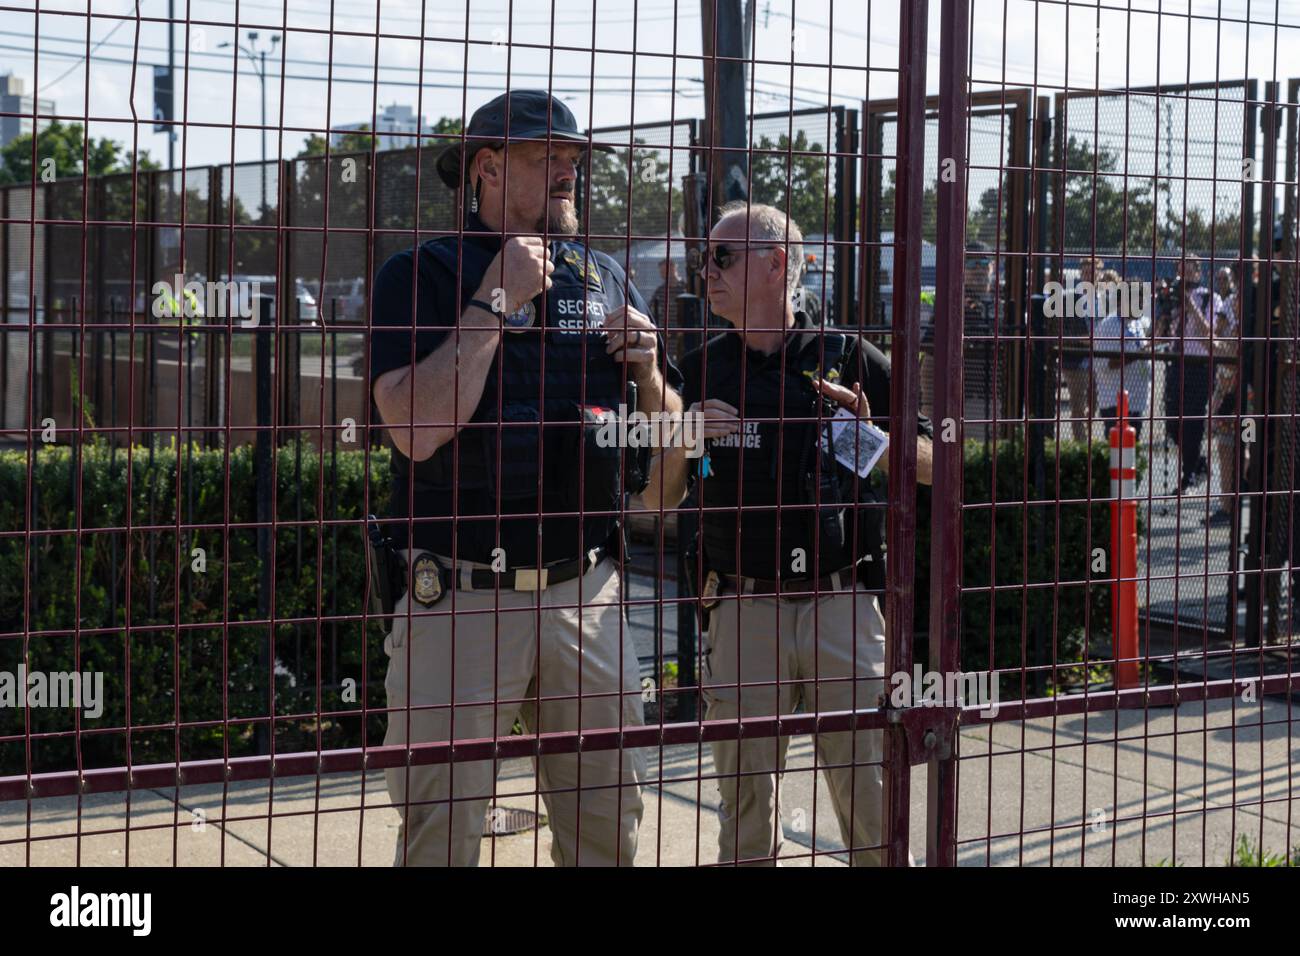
x,y
904,398
263,448
1257,375
690,314
945,542
844,250
1041,390
4,304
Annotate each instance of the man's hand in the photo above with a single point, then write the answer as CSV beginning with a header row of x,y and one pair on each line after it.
x,y
719,417
1200,324
521,270
854,400
632,338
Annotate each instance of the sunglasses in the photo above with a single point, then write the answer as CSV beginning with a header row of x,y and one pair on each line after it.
x,y
723,256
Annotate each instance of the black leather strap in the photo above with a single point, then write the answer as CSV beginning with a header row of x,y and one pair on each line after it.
x,y
521,579
793,589
532,579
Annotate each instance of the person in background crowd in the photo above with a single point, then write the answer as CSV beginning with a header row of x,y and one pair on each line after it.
x,y
1076,367
979,314
663,304
1130,368
1187,378
1226,389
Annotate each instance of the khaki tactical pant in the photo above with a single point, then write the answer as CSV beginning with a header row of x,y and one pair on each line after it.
x,y
505,653
1079,382
818,649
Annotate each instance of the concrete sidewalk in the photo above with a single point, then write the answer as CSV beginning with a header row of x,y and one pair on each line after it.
x,y
1162,790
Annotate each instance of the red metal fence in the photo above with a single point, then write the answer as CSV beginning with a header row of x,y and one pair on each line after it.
x,y
184,505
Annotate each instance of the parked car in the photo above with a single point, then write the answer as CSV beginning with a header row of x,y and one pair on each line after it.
x,y
307,312
344,300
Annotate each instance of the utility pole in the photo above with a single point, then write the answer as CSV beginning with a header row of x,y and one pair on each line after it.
x,y
725,107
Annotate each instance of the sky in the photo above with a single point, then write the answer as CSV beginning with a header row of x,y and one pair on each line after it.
x,y
338,62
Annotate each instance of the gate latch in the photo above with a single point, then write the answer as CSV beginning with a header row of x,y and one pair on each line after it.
x,y
929,731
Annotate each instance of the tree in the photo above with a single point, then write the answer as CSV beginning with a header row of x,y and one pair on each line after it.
x,y
790,175
982,222
66,144
1224,239
359,140
397,179
353,141
645,174
1104,212
929,208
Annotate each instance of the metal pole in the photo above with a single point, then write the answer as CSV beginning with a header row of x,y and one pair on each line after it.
x,y
945,541
262,78
725,110
262,451
904,399
689,313
1260,334
1040,372
171,80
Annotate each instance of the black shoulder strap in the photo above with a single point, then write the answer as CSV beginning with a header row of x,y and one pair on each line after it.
x,y
810,357
808,363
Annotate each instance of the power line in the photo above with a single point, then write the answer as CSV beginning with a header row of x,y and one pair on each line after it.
x,y
663,13
336,64
354,80
776,87
89,52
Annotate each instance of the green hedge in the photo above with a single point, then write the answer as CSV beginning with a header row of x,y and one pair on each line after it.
x,y
171,675
997,551
160,662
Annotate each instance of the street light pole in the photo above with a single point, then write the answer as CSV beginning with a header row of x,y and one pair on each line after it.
x,y
171,79
265,305
258,59
262,76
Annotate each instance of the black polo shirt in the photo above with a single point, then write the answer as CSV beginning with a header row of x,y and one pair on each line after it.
x,y
757,556
470,523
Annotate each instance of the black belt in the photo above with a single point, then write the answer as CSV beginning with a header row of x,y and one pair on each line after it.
x,y
524,579
745,586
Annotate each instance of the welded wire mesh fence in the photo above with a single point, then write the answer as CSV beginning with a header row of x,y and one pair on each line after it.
x,y
186,472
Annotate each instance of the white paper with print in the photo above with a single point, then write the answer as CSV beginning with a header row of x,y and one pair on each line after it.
x,y
856,442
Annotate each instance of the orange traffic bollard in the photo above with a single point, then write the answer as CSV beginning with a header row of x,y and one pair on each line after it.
x,y
1124,546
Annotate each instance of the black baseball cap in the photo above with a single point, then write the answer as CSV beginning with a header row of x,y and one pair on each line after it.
x,y
534,115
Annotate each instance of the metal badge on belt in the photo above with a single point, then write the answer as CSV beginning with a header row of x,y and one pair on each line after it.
x,y
426,580
709,595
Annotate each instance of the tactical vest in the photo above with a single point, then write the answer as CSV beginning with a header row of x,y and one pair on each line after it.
x,y
785,451
545,396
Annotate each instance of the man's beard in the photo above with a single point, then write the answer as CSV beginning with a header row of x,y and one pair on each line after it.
x,y
561,224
